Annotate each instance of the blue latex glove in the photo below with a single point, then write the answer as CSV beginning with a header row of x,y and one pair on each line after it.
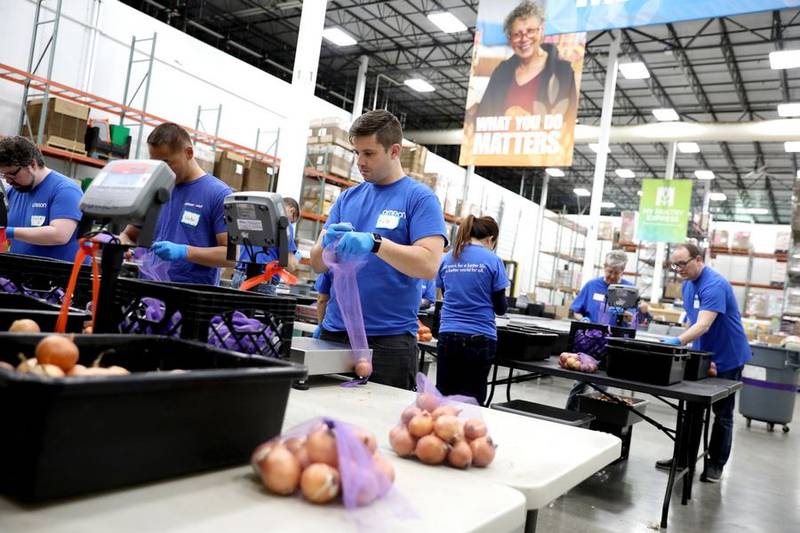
x,y
334,231
674,341
355,244
317,332
169,251
615,311
298,255
586,319
9,233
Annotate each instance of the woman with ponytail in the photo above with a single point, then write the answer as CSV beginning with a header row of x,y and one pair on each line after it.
x,y
473,282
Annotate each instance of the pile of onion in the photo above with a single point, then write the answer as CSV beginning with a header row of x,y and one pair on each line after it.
x,y
435,434
311,464
57,356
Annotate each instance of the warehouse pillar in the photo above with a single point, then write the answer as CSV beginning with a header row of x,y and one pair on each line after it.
x,y
294,133
361,87
587,271
537,236
658,267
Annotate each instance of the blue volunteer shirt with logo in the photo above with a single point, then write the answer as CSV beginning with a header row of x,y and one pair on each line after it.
x,y
55,197
193,215
591,300
403,212
468,283
726,337
324,283
427,289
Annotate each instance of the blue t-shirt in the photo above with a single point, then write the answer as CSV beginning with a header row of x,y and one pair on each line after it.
x,y
55,197
324,283
726,338
193,215
427,288
591,300
468,283
402,212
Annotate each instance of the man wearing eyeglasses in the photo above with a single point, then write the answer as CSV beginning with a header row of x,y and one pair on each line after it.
x,y
43,211
715,326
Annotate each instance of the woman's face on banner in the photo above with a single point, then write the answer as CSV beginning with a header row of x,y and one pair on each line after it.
x,y
526,36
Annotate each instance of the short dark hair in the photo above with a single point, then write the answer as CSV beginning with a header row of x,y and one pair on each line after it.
x,y
290,202
169,134
382,124
19,152
692,249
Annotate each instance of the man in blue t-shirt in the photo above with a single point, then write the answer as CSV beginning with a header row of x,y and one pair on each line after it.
x,y
715,325
427,288
43,212
396,224
590,306
191,230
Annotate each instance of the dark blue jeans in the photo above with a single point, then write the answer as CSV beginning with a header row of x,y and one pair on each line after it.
x,y
463,362
719,446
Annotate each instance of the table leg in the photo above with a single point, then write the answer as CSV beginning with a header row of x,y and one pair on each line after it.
x,y
508,384
706,424
676,458
530,521
492,385
694,419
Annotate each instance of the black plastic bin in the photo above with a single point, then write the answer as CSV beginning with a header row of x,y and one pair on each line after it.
x,y
609,411
545,412
524,344
647,362
198,305
697,365
46,319
42,276
76,435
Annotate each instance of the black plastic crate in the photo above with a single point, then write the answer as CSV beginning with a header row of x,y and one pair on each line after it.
x,y
597,348
524,344
545,412
610,412
46,319
197,305
697,365
75,435
44,277
645,366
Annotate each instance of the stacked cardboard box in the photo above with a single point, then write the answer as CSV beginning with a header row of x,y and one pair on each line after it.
x,y
64,124
330,131
257,176
229,167
428,178
331,159
204,157
311,196
412,158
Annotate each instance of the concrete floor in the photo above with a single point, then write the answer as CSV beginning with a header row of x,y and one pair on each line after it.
x,y
759,491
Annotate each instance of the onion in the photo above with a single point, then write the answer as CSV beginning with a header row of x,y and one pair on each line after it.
x,y
401,441
297,445
460,455
431,450
280,471
427,401
448,428
319,483
77,370
420,425
260,454
50,371
117,371
384,466
57,350
445,410
408,413
367,438
27,365
482,451
363,368
321,447
474,428
24,325
562,359
7,366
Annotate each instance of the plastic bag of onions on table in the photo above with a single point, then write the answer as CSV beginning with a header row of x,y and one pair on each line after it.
x,y
325,459
580,362
440,429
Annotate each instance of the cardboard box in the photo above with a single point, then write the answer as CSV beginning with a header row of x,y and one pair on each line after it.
x,y
666,314
428,178
229,168
64,120
720,238
413,158
331,159
673,290
605,230
627,232
257,176
330,134
783,241
741,240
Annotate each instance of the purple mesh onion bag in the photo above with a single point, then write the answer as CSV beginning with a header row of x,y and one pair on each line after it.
x,y
345,288
153,267
590,341
147,317
249,335
6,285
429,398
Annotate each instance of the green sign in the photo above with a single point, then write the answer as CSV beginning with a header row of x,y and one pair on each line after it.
x,y
664,210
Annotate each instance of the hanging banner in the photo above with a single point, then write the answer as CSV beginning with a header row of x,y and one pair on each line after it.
x,y
664,210
522,100
570,16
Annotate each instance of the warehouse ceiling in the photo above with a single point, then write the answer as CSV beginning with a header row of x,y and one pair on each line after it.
x,y
713,70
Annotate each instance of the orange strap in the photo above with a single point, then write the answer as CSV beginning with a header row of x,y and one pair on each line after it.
x,y
270,270
85,248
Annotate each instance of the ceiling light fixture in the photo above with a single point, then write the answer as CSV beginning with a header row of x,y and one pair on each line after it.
x,y
717,196
420,85
789,110
666,114
595,147
625,173
792,146
634,70
781,59
704,174
607,205
338,37
755,211
688,148
580,191
555,172
447,22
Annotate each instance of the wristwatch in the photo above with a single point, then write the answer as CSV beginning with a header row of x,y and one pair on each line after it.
x,y
376,242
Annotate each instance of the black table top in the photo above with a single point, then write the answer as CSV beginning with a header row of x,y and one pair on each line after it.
x,y
705,391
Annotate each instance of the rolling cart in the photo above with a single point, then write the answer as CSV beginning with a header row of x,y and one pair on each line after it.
x,y
770,386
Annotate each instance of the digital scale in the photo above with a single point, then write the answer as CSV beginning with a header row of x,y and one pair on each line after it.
x,y
624,297
129,191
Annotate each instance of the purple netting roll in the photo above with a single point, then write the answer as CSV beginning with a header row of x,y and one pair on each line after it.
x,y
249,335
